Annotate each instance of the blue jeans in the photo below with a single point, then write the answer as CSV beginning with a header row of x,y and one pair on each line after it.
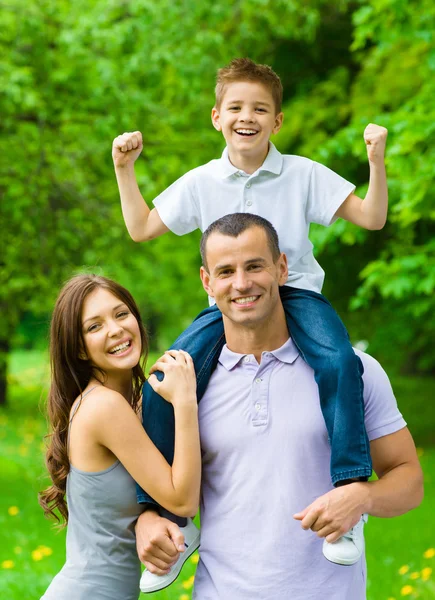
x,y
323,343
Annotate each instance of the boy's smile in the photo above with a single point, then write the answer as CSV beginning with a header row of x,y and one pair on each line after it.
x,y
247,119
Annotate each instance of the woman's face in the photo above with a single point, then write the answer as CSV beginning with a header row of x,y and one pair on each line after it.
x,y
110,332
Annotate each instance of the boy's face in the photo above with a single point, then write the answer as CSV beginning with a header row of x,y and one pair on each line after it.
x,y
247,119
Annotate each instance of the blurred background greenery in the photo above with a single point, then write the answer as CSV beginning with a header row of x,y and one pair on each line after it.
x,y
73,75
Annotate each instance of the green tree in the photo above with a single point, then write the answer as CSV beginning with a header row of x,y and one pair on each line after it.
x,y
74,75
392,83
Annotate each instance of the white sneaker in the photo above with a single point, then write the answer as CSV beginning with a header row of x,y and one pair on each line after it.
x,y
152,583
348,549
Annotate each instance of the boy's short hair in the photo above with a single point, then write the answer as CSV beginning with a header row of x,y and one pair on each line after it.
x,y
245,69
234,225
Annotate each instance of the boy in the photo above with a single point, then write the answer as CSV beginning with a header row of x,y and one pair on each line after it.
x,y
291,192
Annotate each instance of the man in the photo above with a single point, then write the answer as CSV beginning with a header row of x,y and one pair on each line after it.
x,y
265,446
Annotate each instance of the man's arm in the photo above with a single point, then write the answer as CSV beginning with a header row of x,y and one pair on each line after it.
x,y
158,542
370,213
398,490
142,223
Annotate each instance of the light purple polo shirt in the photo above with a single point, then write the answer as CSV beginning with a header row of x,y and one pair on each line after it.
x,y
265,457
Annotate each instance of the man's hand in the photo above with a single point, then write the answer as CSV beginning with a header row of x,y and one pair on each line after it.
x,y
126,148
158,542
375,138
334,513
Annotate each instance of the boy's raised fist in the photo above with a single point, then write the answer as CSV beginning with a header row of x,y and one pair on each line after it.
x,y
375,138
126,148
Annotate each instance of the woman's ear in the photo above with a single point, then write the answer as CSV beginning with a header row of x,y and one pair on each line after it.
x,y
82,354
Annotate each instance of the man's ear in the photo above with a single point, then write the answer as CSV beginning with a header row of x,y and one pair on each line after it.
x,y
215,119
282,265
205,278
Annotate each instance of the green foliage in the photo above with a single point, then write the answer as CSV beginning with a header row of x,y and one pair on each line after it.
x,y
390,81
74,75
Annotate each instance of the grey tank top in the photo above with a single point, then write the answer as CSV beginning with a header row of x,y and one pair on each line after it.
x,y
101,559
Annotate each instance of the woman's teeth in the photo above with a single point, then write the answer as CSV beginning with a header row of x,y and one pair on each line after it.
x,y
120,348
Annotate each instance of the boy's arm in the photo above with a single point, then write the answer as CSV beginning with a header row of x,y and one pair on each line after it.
x,y
142,223
370,213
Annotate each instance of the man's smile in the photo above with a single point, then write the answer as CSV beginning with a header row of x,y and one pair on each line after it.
x,y
246,300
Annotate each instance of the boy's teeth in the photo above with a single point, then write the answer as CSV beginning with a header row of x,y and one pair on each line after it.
x,y
120,348
245,300
246,131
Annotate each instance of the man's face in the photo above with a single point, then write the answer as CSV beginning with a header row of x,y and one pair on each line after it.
x,y
247,118
242,276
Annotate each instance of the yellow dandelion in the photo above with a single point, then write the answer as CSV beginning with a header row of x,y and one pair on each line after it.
x,y
18,550
430,553
426,573
188,583
391,598
184,597
8,564
406,590
194,559
403,570
13,511
45,550
37,555
414,575
420,451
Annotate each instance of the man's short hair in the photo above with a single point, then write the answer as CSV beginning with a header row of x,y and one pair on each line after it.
x,y
234,225
244,69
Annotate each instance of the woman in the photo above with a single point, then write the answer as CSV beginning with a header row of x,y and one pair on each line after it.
x,y
98,447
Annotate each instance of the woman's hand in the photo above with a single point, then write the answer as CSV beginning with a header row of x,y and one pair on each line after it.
x,y
179,384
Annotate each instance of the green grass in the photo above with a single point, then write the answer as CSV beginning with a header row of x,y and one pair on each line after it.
x,y
32,552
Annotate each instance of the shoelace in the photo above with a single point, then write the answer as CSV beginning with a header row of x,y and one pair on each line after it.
x,y
353,532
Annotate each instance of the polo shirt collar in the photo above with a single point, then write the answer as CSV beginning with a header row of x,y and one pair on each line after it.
x,y
287,353
272,164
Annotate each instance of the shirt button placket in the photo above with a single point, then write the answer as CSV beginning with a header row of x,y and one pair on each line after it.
x,y
259,400
248,197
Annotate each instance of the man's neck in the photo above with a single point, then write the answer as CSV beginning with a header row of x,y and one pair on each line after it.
x,y
261,337
246,163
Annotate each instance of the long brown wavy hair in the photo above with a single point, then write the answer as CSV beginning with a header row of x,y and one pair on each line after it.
x,y
70,375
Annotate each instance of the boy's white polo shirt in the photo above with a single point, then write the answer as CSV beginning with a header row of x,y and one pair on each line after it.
x,y
289,191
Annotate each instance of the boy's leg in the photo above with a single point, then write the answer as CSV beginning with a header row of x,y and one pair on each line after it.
x,y
203,340
324,344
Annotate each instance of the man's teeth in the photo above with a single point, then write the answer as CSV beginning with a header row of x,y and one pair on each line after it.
x,y
245,300
246,131
119,348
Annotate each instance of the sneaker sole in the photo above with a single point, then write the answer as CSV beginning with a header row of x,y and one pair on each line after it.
x,y
186,554
342,562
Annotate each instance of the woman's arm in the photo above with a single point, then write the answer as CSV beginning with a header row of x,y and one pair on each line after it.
x,y
115,426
